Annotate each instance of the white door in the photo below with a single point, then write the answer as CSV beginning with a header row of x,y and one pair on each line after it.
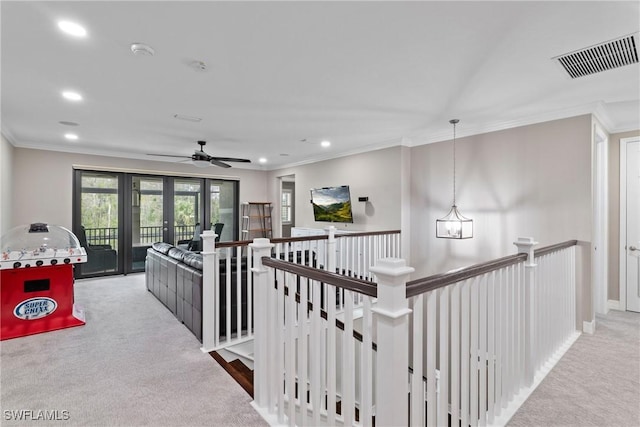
x,y
633,225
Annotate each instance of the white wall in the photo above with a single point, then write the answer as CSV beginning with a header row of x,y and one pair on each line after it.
x,y
375,174
532,181
529,181
6,184
46,181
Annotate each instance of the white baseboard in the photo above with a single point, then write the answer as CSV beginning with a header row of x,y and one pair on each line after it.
x,y
589,327
613,305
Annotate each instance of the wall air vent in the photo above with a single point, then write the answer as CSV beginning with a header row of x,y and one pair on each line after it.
x,y
601,57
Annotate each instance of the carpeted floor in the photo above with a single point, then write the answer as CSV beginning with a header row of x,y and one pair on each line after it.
x,y
596,383
132,364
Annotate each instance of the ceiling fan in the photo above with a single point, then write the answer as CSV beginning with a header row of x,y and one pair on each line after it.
x,y
201,159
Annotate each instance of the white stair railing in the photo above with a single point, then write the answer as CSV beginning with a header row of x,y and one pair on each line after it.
x,y
493,331
482,338
227,300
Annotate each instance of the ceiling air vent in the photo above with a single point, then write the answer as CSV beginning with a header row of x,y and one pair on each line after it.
x,y
601,57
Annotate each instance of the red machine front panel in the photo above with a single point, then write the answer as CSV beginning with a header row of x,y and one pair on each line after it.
x,y
37,299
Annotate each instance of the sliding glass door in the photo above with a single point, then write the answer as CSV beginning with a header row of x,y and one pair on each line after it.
x,y
146,219
97,221
188,212
223,208
118,216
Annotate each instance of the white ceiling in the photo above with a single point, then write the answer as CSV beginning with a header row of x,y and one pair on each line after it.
x,y
360,74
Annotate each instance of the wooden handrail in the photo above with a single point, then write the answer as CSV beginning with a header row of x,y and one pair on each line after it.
x,y
420,286
350,283
367,233
306,238
552,248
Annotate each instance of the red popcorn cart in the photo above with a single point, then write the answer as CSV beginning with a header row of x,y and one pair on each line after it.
x,y
36,280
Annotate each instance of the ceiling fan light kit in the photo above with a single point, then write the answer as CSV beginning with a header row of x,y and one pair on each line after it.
x,y
200,163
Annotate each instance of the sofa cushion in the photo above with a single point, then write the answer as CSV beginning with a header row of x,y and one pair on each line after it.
x,y
177,253
162,247
193,260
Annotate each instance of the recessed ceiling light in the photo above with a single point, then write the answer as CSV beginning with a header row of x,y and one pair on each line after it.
x,y
325,143
72,96
72,28
262,160
63,122
187,118
71,136
141,49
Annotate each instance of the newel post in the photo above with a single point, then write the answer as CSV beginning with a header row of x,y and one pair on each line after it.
x,y
260,247
392,319
209,259
525,245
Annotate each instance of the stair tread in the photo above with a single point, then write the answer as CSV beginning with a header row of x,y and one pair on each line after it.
x,y
238,371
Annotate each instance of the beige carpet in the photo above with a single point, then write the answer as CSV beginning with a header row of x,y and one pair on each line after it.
x,y
132,364
596,383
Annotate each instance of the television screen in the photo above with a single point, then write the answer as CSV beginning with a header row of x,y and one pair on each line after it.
x,y
332,204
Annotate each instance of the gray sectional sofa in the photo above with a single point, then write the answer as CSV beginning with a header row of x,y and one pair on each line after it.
x,y
174,276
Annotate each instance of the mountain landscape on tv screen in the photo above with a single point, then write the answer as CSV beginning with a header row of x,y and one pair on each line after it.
x,y
335,212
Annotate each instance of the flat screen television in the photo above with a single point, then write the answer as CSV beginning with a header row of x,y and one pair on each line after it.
x,y
332,204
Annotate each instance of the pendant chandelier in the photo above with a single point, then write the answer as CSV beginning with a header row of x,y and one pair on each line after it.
x,y
454,225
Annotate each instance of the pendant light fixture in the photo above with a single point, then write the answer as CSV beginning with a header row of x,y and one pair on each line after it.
x,y
454,225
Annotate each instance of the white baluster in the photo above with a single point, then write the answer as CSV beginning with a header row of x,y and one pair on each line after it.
x,y
290,345
491,349
482,348
473,369
366,412
431,349
316,359
303,348
443,403
417,387
465,352
455,354
348,359
331,354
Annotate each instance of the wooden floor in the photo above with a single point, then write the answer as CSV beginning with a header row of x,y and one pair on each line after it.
x,y
238,371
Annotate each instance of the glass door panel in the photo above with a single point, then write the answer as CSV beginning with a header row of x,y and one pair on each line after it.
x,y
146,217
187,213
223,208
98,228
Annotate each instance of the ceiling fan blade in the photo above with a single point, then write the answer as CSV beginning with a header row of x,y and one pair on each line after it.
x,y
231,159
215,162
167,155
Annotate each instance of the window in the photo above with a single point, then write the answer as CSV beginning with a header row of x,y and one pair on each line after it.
x,y
286,207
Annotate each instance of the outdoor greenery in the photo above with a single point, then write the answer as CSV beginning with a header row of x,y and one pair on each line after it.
x,y
99,202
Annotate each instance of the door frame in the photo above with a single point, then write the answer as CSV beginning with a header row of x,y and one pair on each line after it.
x,y
622,238
601,219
